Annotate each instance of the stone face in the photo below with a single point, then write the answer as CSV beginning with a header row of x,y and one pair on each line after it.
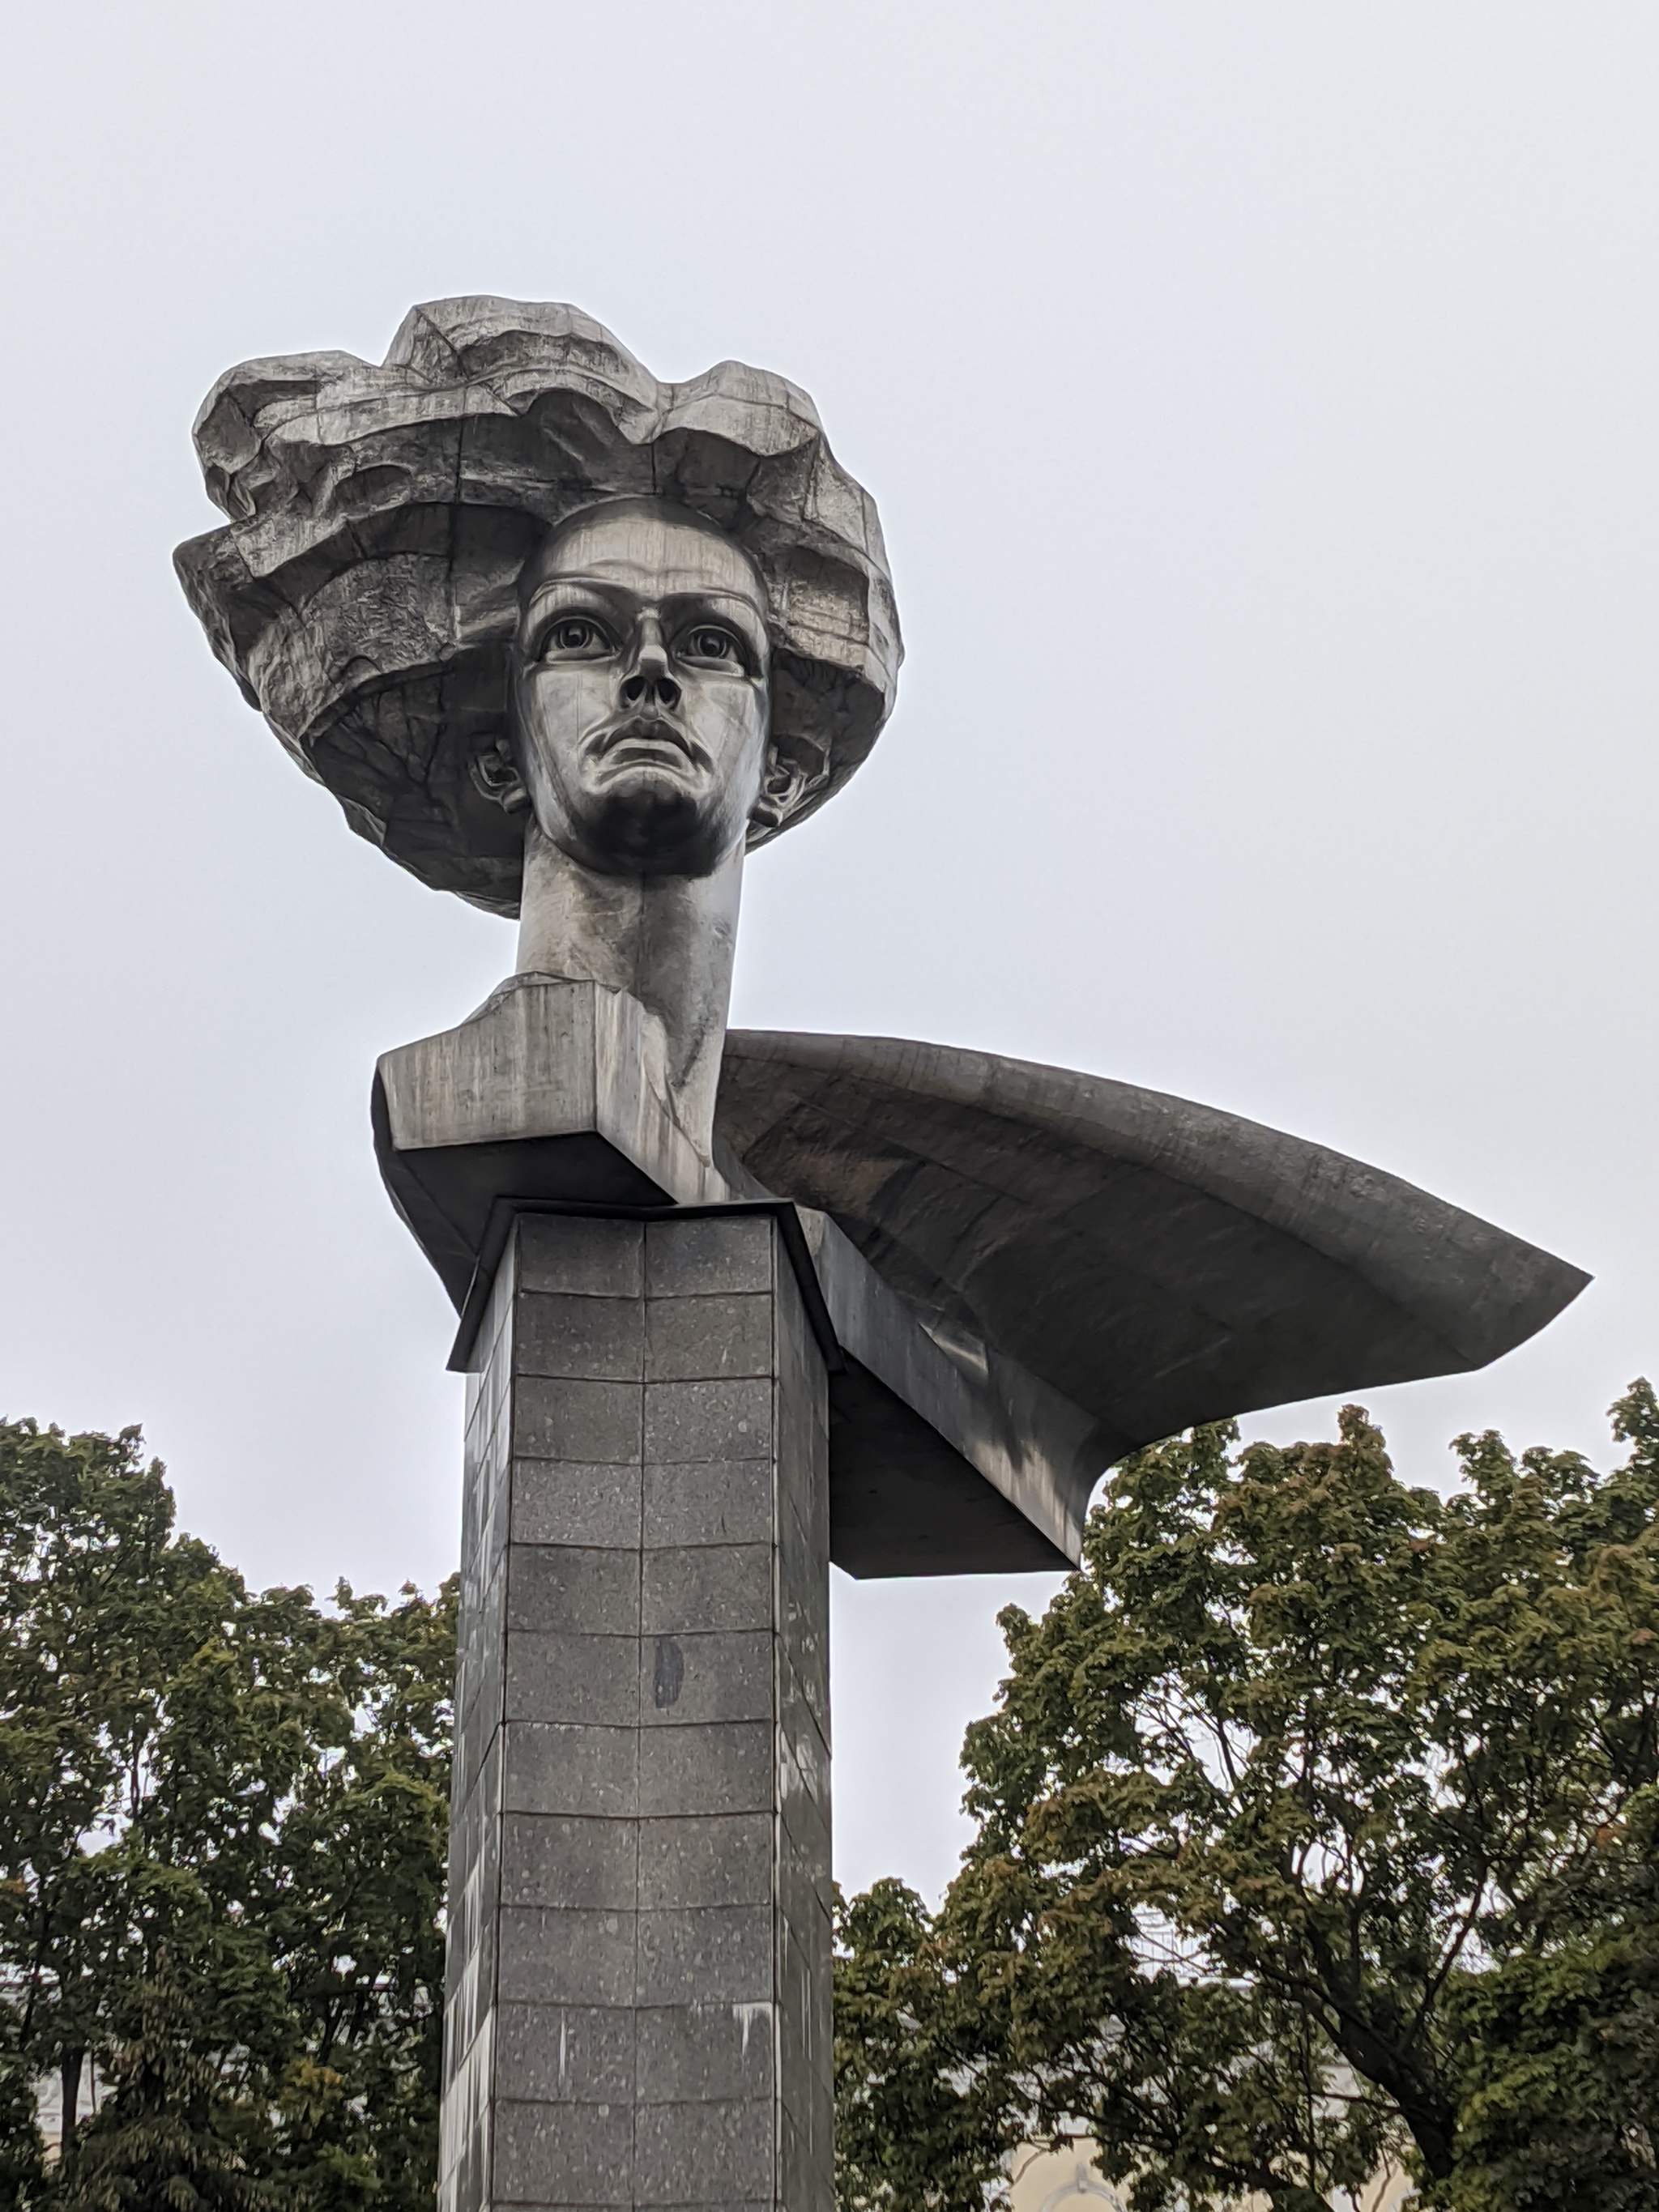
x,y
569,642
638,1977
365,593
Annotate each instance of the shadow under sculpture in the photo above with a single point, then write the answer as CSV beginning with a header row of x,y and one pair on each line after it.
x,y
568,641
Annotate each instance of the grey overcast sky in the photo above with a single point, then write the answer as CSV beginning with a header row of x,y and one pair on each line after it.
x,y
1260,401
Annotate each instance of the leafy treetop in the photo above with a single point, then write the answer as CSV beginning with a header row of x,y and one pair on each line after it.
x,y
1318,1825
222,1830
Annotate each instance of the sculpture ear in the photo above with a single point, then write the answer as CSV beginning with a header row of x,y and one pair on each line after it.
x,y
496,773
788,776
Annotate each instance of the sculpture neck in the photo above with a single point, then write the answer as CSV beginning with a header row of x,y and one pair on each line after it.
x,y
668,940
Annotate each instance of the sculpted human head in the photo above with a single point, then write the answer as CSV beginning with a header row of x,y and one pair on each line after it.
x,y
640,692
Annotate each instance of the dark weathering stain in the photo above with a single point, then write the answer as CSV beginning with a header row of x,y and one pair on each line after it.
x,y
668,1673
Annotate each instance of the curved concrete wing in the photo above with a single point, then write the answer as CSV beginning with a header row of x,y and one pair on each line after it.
x,y
1156,1262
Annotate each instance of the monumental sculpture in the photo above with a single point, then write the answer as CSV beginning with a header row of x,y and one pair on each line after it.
x,y
568,642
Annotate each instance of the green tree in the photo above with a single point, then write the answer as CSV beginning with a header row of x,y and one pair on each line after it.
x,y
222,1828
1318,1822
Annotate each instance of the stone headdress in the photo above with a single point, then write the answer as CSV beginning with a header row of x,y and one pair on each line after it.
x,y
364,594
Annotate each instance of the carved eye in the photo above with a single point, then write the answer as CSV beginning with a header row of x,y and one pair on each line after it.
x,y
574,634
710,644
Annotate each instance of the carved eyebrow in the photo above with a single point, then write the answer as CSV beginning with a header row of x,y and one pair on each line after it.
x,y
554,588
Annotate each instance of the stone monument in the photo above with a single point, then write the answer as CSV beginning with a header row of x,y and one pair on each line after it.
x,y
568,643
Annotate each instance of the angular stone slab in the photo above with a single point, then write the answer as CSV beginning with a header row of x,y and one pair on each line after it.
x,y
1153,1261
552,1096
551,1090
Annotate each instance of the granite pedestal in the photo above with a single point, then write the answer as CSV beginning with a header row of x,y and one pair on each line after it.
x,y
638,1975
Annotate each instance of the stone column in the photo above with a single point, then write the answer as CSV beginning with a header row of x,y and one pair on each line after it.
x,y
638,1948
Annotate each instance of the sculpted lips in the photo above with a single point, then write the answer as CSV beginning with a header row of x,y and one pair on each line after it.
x,y
647,733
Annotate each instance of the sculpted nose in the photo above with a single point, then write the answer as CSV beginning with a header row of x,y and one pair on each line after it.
x,y
647,682
639,690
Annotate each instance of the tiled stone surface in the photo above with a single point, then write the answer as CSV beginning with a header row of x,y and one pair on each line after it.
x,y
639,1972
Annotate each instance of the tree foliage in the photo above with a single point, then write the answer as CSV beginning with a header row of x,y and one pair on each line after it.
x,y
1318,1823
222,1832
